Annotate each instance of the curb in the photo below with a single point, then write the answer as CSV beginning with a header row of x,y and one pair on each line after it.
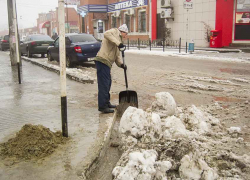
x,y
90,166
58,72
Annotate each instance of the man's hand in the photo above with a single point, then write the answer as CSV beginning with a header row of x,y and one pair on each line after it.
x,y
124,67
121,46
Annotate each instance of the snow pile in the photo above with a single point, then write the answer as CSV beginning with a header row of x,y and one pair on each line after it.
x,y
197,120
136,123
193,167
166,142
141,165
77,73
164,105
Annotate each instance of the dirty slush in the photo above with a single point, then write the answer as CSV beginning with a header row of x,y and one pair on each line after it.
x,y
32,142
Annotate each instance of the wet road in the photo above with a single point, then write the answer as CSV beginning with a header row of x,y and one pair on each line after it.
x,y
37,101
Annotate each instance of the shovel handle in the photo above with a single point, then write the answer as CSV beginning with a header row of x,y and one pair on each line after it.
x,y
125,73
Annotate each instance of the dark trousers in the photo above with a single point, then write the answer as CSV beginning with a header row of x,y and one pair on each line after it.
x,y
104,84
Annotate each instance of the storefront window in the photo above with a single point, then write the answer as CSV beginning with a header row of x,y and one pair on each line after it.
x,y
142,21
242,20
100,27
113,22
127,21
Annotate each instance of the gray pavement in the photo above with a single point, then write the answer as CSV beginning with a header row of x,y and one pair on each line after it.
x,y
37,101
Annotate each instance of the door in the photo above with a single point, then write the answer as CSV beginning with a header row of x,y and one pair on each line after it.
x,y
100,29
55,50
160,27
23,45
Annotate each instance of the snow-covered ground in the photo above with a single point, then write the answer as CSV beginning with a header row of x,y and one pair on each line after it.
x,y
170,142
199,54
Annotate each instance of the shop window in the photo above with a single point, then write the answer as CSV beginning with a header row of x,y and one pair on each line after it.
x,y
127,21
242,20
113,22
100,27
142,21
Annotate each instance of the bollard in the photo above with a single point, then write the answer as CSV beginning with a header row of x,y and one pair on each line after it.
x,y
163,43
150,44
128,44
139,43
186,46
180,45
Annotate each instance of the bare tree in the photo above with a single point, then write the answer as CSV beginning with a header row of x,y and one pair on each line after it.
x,y
207,33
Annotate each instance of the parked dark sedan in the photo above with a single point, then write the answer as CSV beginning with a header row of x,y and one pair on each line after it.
x,y
4,43
79,48
35,44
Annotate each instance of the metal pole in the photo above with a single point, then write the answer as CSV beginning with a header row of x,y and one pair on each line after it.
x,y
180,46
128,43
186,46
61,12
150,44
17,40
163,43
139,43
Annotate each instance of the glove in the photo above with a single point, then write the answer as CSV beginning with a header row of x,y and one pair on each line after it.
x,y
121,46
124,67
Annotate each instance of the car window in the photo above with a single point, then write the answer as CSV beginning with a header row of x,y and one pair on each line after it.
x,y
6,38
82,38
67,41
41,38
57,43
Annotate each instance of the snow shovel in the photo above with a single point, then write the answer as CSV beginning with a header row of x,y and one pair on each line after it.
x,y
127,97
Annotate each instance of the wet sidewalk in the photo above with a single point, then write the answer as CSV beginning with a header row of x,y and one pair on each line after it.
x,y
37,101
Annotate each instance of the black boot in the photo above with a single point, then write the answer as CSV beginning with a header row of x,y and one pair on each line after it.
x,y
111,106
106,110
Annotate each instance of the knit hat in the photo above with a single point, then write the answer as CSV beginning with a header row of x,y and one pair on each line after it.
x,y
123,28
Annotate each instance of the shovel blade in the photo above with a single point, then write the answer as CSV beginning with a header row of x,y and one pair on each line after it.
x,y
129,97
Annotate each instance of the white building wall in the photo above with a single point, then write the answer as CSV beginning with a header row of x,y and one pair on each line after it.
x,y
187,24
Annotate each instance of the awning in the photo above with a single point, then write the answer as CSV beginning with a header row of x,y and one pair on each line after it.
x,y
44,25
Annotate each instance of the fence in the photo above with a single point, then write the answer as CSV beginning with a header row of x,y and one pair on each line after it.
x,y
158,43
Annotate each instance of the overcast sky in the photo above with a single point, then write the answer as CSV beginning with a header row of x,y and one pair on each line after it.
x,y
27,12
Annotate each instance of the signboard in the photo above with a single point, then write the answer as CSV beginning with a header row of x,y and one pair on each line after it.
x,y
243,5
188,5
126,5
242,17
72,2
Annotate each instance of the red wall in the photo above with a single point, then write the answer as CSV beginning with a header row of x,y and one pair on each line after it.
x,y
224,20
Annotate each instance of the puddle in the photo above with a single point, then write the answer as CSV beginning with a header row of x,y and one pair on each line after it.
x,y
236,71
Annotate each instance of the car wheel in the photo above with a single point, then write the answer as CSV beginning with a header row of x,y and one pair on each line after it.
x,y
69,64
42,55
28,53
49,56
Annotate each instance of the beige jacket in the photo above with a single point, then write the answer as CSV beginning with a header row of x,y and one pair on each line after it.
x,y
109,49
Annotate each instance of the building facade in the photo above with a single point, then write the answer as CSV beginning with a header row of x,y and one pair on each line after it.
x,y
47,23
190,20
102,15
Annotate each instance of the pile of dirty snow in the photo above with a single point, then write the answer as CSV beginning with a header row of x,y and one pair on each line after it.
x,y
32,141
169,142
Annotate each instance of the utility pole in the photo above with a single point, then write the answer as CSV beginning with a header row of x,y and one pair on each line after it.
x,y
61,15
14,36
67,15
16,41
11,33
